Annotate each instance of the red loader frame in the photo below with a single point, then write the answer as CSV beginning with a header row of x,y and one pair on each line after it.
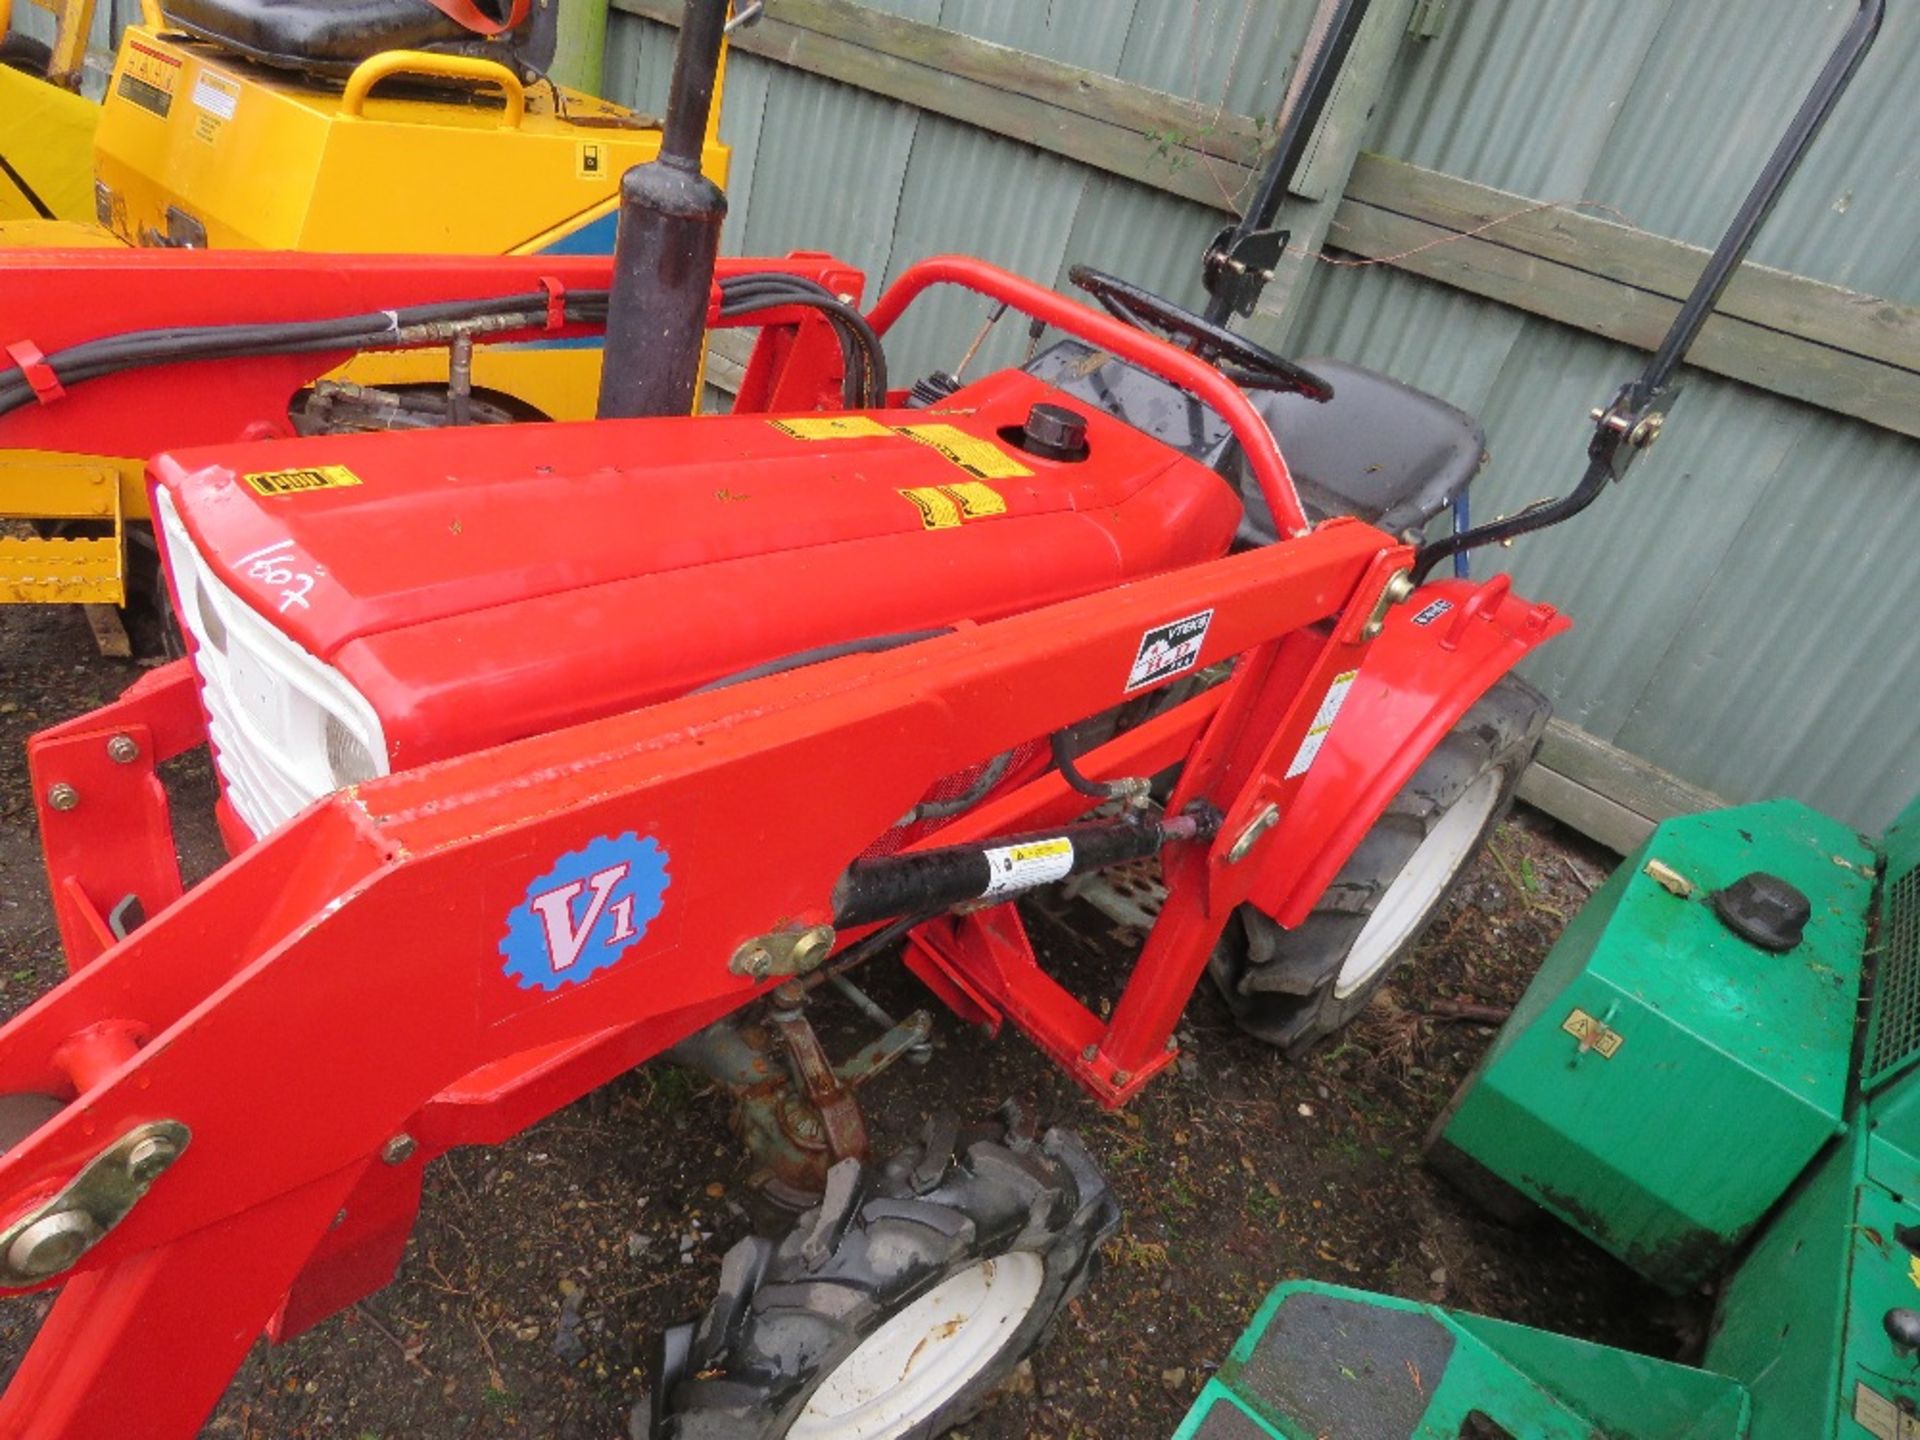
x,y
277,1052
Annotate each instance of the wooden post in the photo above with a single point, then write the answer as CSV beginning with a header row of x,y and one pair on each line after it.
x,y
1315,191
580,55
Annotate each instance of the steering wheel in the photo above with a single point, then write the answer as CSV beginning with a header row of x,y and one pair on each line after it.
x,y
1250,366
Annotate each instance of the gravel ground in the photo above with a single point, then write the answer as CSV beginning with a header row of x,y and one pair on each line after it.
x,y
540,1269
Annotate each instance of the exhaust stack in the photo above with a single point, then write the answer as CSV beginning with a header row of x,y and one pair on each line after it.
x,y
667,242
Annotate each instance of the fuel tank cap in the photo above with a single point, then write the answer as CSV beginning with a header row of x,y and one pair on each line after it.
x,y
1763,910
1054,432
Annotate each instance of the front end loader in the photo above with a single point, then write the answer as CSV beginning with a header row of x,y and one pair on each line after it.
x,y
544,751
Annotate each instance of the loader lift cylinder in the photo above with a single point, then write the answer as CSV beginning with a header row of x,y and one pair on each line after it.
x,y
926,882
667,242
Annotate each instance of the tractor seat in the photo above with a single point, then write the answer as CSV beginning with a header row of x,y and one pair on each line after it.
x,y
1385,452
331,37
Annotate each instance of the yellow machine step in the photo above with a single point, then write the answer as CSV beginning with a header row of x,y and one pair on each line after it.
x,y
83,564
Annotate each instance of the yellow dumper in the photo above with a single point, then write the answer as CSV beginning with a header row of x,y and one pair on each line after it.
x,y
397,126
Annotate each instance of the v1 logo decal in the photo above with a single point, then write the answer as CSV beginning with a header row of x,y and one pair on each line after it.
x,y
586,912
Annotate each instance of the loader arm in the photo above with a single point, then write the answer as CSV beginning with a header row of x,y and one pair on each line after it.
x,y
350,964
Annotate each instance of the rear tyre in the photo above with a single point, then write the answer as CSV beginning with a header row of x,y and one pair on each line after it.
x,y
892,1309
1293,988
23,52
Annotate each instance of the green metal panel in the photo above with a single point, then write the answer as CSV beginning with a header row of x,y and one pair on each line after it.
x,y
1800,1321
1781,1319
1706,1073
1321,1360
1218,1415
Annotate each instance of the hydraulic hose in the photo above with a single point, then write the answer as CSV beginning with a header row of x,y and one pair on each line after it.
x,y
865,362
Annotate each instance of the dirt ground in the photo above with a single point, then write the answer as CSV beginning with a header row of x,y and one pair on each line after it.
x,y
540,1270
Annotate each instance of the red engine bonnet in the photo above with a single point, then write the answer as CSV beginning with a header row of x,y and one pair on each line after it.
x,y
484,584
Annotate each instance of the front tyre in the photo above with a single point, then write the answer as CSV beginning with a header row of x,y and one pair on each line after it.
x,y
1293,988
893,1309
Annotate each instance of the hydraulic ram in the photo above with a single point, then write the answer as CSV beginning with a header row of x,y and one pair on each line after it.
x,y
930,881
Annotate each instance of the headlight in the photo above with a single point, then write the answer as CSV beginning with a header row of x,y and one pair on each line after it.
x,y
348,758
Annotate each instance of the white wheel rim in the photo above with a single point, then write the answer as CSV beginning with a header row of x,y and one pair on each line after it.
x,y
916,1362
1419,885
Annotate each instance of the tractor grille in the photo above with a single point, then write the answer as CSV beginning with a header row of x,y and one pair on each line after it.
x,y
286,728
1894,1039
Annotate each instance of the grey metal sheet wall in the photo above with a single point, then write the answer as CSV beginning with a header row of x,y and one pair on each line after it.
x,y
1742,603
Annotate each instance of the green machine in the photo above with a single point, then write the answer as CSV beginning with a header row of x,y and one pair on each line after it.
x,y
1715,1075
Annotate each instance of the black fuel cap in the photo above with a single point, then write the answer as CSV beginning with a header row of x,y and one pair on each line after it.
x,y
1055,432
1903,1328
1763,910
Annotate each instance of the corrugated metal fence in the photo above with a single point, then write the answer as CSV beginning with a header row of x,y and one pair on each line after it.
x,y
1743,605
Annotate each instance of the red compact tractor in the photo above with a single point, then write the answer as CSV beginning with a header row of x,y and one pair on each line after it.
x,y
547,750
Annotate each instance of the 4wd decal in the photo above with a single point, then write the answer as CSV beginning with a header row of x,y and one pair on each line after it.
x,y
586,912
1168,649
1432,612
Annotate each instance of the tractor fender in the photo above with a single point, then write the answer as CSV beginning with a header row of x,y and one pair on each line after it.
x,y
1436,655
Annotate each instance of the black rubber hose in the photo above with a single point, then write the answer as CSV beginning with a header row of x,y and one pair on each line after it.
x,y
989,777
91,359
854,373
28,193
860,347
111,354
1063,761
871,645
792,289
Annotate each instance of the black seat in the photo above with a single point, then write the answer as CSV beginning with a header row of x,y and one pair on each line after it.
x,y
330,37
1385,452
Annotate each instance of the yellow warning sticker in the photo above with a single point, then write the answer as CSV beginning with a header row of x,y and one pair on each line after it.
x,y
980,458
149,77
977,500
938,509
942,507
1323,719
829,427
1593,1035
294,482
1021,867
